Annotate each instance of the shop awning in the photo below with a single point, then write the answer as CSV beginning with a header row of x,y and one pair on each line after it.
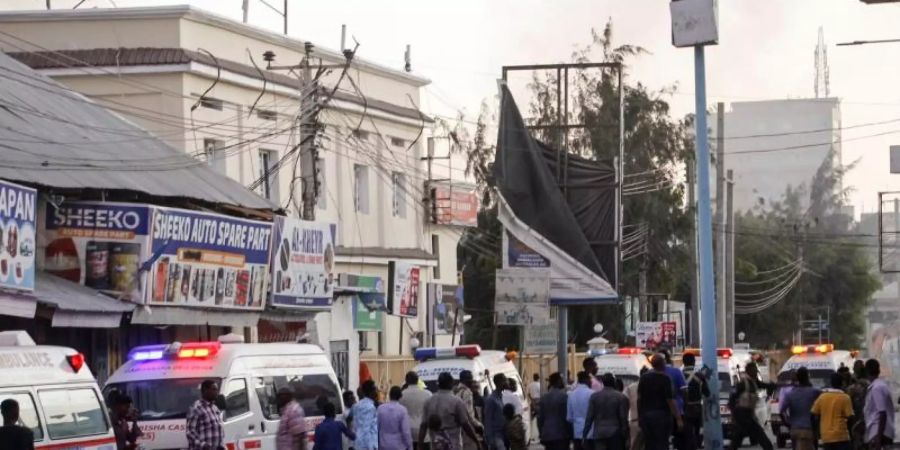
x,y
73,305
174,315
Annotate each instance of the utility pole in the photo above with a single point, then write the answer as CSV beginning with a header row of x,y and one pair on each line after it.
x,y
692,258
245,6
309,155
719,225
643,300
729,261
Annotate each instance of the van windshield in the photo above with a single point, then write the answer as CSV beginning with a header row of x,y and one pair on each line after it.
x,y
819,378
159,399
310,390
73,413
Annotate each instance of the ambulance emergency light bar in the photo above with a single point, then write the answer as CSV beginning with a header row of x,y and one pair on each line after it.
x,y
190,350
465,351
821,348
720,352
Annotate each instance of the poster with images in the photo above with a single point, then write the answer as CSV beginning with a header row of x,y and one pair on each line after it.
x,y
303,263
208,260
445,304
367,300
403,292
655,335
17,236
99,244
522,296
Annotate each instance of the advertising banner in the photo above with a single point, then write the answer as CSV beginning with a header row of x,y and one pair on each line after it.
x,y
403,294
17,236
541,339
522,296
455,205
656,335
303,263
208,260
99,244
368,302
445,303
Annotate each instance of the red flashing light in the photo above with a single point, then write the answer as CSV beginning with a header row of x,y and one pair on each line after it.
x,y
471,351
629,351
76,361
724,353
199,349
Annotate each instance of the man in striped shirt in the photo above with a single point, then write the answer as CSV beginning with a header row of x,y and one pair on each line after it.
x,y
204,420
292,426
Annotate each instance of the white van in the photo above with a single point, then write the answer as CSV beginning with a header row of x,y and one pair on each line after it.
x,y
625,363
164,381
731,365
57,395
821,361
483,364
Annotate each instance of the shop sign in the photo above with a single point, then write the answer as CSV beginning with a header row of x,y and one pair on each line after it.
x,y
303,263
445,303
656,335
208,260
455,205
368,301
541,338
522,296
17,236
403,294
98,244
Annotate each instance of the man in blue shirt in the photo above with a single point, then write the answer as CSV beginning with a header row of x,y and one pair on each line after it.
x,y
494,420
577,409
328,433
679,385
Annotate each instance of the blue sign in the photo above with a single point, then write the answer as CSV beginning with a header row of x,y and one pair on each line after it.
x,y
303,263
112,218
17,236
209,260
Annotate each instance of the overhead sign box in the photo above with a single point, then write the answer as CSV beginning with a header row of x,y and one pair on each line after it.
x,y
694,22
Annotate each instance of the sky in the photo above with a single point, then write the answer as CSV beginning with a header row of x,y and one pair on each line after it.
x,y
765,52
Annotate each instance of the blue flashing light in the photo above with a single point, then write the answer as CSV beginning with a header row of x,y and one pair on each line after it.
x,y
425,353
148,353
465,351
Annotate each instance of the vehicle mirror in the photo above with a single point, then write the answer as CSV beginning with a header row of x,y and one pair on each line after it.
x,y
220,402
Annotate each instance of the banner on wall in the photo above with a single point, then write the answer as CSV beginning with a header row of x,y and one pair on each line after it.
x,y
368,300
403,291
208,260
98,244
303,263
656,335
541,338
17,236
445,304
522,296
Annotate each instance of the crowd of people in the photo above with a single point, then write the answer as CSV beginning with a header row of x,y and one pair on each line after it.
x,y
596,412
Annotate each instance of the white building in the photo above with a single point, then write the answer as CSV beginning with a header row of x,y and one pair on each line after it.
x,y
774,144
187,76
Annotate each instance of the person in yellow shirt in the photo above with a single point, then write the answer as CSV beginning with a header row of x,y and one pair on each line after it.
x,y
835,412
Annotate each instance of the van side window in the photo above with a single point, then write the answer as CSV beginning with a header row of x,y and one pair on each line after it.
x,y
73,413
309,390
237,401
27,412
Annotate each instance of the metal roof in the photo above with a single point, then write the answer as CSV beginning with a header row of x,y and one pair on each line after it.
x,y
53,137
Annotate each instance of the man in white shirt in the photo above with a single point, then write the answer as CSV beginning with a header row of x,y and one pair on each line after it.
x,y
534,395
510,397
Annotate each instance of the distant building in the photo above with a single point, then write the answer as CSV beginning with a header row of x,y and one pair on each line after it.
x,y
775,144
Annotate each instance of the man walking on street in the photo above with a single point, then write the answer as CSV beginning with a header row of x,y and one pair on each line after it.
x,y
465,390
796,411
393,423
292,425
878,410
450,410
835,412
590,366
12,435
695,391
635,436
124,423
554,430
656,406
577,407
857,392
743,410
414,398
204,420
365,418
534,394
494,420
678,385
608,414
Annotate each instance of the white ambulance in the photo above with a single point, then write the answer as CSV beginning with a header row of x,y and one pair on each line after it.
x,y
731,365
164,381
483,364
57,395
625,363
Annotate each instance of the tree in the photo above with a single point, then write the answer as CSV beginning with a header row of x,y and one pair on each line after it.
x,y
656,146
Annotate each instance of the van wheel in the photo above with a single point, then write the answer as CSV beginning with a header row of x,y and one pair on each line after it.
x,y
781,441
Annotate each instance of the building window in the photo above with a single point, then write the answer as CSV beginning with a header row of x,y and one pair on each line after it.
x,y
212,103
397,142
322,194
268,173
265,114
361,188
436,252
398,183
215,155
